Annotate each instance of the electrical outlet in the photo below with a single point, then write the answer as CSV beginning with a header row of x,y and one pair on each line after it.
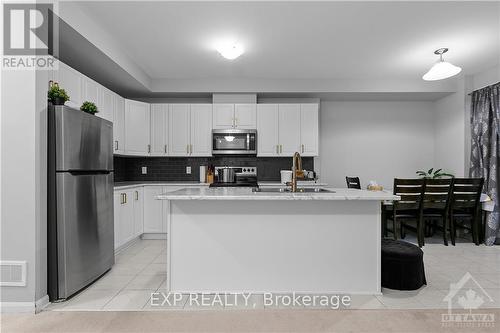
x,y
144,170
188,170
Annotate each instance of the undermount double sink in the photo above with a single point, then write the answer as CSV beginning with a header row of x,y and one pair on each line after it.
x,y
288,190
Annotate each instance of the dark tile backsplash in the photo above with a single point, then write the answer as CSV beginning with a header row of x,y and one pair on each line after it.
x,y
174,168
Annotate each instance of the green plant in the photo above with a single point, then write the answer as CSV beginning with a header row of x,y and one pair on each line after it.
x,y
433,174
55,92
89,107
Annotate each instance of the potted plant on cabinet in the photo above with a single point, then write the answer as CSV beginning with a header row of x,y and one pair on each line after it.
x,y
57,95
433,174
89,107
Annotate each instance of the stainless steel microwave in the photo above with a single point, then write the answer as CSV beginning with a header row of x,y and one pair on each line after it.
x,y
234,142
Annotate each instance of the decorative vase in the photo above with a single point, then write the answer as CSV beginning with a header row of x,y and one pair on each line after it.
x,y
58,101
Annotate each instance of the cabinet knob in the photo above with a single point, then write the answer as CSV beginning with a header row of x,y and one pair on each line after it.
x,y
116,145
165,149
302,148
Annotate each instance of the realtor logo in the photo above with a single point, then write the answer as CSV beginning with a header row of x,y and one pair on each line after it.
x,y
468,294
27,28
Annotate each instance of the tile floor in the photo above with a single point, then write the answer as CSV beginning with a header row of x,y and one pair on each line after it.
x,y
140,270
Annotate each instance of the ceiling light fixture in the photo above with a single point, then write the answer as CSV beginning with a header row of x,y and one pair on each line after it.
x,y
441,69
230,51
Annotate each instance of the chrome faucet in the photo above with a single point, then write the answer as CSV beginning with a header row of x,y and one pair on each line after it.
x,y
296,167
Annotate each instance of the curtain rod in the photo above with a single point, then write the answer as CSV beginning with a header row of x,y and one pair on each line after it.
x,y
482,88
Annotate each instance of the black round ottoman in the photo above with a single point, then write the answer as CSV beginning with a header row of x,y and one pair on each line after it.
x,y
402,265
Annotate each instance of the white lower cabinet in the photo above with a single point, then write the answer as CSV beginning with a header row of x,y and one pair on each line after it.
x,y
128,215
138,211
153,210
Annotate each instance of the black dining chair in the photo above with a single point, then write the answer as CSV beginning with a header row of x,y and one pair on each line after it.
x,y
408,208
436,205
353,182
465,205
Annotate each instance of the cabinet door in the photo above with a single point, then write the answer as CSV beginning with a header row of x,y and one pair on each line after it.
x,y
91,92
267,130
106,103
223,116
289,129
71,81
153,210
309,129
117,206
201,130
136,128
245,116
138,211
119,125
178,130
159,127
127,217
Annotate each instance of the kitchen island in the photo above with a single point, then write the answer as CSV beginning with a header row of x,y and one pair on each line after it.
x,y
236,240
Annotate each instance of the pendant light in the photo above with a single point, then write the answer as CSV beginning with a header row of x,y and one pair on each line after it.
x,y
441,69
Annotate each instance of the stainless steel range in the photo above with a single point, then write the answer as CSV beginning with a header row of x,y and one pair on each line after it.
x,y
226,176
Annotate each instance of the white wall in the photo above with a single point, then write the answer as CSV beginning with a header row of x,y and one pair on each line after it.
x,y
450,131
452,122
23,184
485,78
374,140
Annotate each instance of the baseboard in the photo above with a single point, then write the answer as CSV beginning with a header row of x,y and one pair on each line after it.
x,y
154,236
127,245
42,303
17,307
24,307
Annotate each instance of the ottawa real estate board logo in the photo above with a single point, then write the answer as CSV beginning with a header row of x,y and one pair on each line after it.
x,y
468,296
28,36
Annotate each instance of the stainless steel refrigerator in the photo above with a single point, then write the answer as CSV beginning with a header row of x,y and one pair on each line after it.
x,y
80,200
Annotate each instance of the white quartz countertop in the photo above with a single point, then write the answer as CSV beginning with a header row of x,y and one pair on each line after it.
x,y
130,184
232,193
299,183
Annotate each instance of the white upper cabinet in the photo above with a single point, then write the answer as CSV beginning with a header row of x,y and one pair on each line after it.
x,y
234,116
137,117
119,125
90,91
179,130
245,116
289,129
201,130
71,81
309,129
267,130
105,104
159,129
223,116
